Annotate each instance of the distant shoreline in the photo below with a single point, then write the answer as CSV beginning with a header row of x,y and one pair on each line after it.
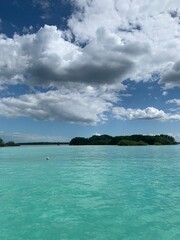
x,y
13,144
132,140
43,143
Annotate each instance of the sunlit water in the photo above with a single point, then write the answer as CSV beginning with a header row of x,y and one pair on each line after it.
x,y
90,193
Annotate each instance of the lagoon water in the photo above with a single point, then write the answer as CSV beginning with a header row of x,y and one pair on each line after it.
x,y
90,193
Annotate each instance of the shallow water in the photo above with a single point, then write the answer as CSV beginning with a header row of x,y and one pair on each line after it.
x,y
90,193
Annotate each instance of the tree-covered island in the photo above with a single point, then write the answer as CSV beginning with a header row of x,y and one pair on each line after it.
x,y
133,140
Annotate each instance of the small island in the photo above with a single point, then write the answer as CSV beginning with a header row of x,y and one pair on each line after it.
x,y
133,140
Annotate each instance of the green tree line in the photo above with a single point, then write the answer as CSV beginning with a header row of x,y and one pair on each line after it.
x,y
133,140
10,143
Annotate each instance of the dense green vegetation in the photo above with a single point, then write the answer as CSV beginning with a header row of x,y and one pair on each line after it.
x,y
8,144
133,140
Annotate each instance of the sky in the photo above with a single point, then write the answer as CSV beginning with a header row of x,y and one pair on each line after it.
x,y
82,67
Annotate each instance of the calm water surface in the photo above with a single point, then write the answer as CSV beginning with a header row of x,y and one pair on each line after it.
x,y
90,193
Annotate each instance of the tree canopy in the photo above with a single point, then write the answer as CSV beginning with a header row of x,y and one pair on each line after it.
x,y
133,140
8,144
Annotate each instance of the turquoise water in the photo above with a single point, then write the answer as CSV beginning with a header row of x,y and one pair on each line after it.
x,y
90,193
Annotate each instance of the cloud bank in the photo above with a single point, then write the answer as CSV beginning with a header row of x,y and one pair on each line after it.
x,y
87,64
73,107
149,113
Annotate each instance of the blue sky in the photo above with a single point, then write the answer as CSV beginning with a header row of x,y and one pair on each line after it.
x,y
82,67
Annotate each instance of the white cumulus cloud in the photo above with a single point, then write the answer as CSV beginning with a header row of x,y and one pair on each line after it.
x,y
123,40
154,25
46,58
175,100
73,107
115,40
149,113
